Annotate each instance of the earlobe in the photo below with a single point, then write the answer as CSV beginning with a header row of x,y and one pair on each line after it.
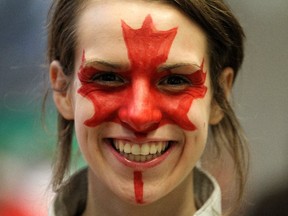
x,y
226,82
61,96
216,114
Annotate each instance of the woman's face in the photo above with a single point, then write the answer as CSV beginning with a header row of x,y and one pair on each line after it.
x,y
141,96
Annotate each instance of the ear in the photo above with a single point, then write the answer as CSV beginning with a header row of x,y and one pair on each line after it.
x,y
61,96
226,82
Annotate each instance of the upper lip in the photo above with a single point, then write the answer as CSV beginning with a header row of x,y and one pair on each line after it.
x,y
169,133
142,140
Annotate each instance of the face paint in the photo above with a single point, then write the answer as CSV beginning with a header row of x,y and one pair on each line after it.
x,y
138,187
139,104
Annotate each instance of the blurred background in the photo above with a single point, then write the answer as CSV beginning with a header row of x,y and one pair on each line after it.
x,y
26,148
261,101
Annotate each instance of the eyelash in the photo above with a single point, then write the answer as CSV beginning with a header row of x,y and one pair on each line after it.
x,y
172,82
108,78
175,80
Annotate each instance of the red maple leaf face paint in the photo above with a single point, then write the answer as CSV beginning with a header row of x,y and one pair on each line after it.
x,y
137,101
138,187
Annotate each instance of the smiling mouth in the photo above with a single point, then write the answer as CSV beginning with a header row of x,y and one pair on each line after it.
x,y
143,152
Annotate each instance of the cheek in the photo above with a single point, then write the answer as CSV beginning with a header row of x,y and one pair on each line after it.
x,y
196,140
199,113
83,110
88,140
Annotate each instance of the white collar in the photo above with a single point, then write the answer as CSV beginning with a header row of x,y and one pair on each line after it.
x,y
208,192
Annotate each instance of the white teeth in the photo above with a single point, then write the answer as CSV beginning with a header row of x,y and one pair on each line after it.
x,y
164,147
153,149
137,158
140,152
159,148
127,148
131,157
149,157
135,150
121,146
143,158
145,149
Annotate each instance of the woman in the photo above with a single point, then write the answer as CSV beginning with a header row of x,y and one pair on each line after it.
x,y
141,82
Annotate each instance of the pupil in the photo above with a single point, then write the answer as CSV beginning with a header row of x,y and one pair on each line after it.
x,y
174,81
108,77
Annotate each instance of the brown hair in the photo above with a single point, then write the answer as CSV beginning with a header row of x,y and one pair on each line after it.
x,y
225,47
61,46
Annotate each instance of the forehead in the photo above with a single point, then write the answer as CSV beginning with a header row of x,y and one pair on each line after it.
x,y
99,27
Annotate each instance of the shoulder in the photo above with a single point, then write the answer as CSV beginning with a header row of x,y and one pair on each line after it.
x,y
207,194
71,198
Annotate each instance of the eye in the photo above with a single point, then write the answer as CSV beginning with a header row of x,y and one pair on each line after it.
x,y
174,82
108,79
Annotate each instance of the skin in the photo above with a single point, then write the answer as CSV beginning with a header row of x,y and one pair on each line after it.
x,y
168,186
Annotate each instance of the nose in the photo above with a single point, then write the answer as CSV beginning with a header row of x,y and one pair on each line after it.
x,y
140,113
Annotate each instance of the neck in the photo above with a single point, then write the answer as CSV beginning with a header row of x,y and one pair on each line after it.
x,y
102,201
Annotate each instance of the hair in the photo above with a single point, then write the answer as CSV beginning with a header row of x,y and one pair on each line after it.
x,y
225,49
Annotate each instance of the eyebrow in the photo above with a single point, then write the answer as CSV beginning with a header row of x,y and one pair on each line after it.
x,y
100,62
171,67
165,67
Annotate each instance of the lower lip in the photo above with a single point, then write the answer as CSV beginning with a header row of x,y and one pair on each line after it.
x,y
140,166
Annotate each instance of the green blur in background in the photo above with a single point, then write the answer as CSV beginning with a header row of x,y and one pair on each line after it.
x,y
28,132
22,133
